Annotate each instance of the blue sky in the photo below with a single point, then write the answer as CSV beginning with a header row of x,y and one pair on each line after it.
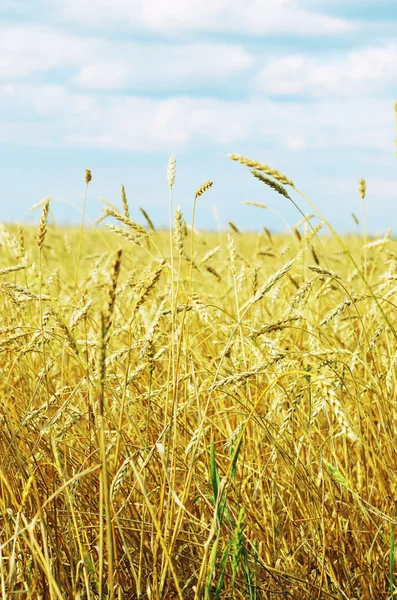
x,y
117,86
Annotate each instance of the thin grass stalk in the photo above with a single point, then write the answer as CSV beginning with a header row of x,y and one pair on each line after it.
x,y
171,389
362,189
88,178
105,520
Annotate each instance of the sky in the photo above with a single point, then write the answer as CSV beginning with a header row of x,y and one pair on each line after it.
x,y
118,86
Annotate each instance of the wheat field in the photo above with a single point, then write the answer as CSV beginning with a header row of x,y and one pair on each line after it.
x,y
197,415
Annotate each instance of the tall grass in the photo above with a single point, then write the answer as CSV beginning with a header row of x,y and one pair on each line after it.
x,y
219,425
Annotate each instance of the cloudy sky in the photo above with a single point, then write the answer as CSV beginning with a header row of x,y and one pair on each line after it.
x,y
118,86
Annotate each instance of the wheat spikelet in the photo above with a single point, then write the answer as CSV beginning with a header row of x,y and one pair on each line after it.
x,y
148,339
375,337
179,237
336,475
213,272
199,307
61,412
232,254
271,183
315,257
275,326
340,416
261,167
301,293
202,189
267,286
125,203
254,283
285,249
194,438
313,232
233,227
266,252
238,378
362,187
114,275
109,212
238,542
80,314
190,261
245,375
150,356
38,204
135,239
257,204
51,401
9,341
12,269
304,220
42,229
88,176
68,247
149,283
209,255
380,242
148,219
26,492
242,277
171,171
101,359
339,309
285,422
21,238
269,235
297,233
140,369
180,308
39,337
22,291
323,271
7,329
54,276
119,478
115,356
231,442
66,330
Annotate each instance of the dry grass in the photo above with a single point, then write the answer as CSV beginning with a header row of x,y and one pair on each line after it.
x,y
219,425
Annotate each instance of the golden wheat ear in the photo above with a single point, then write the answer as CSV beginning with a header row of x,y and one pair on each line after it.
x,y
42,229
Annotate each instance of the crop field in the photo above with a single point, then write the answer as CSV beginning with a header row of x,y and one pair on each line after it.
x,y
192,415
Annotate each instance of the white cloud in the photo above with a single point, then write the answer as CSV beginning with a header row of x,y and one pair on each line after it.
x,y
367,71
252,17
26,49
97,63
162,65
52,115
296,142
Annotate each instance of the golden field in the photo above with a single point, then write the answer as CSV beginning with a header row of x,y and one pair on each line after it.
x,y
197,415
